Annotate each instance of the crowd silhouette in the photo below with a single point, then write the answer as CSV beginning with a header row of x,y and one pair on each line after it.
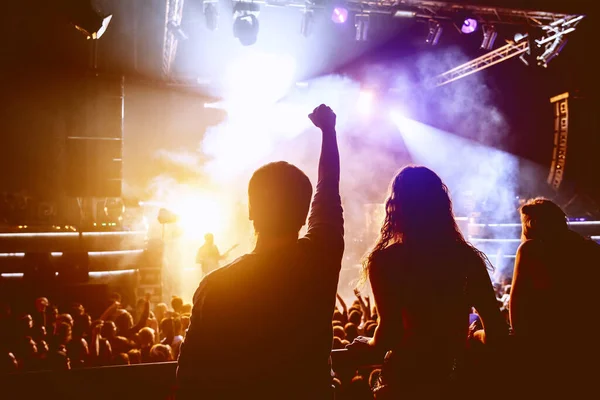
x,y
264,326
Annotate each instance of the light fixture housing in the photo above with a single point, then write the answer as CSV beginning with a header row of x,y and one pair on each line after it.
x,y
211,16
307,23
469,25
489,37
85,18
245,22
339,15
435,32
361,23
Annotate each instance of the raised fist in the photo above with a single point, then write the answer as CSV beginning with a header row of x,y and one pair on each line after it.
x,y
323,117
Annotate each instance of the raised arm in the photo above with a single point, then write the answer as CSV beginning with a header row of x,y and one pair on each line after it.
x,y
482,297
326,221
343,305
389,329
363,305
144,317
518,307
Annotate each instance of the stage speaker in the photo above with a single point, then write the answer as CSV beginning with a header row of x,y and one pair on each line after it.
x,y
73,268
94,147
573,170
94,167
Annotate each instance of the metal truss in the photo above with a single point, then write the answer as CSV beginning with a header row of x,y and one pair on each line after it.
x,y
173,16
553,25
503,53
437,10
550,45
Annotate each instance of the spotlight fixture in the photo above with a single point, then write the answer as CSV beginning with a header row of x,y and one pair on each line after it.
x,y
435,32
404,13
245,22
361,23
339,15
211,16
307,23
533,55
469,25
489,37
552,51
86,19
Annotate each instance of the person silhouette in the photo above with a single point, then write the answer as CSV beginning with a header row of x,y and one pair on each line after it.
x,y
246,314
425,278
555,278
208,256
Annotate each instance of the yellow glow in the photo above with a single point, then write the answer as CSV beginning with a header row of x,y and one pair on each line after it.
x,y
201,212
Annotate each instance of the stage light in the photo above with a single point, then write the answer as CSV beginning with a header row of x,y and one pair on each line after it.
x,y
469,25
365,101
339,15
552,51
211,16
435,32
361,23
245,23
86,19
307,23
489,37
404,14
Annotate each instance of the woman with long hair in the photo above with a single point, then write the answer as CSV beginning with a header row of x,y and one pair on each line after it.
x,y
425,278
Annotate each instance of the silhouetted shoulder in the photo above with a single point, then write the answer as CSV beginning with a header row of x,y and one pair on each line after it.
x,y
380,259
530,247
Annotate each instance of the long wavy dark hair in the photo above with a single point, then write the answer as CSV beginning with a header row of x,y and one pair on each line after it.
x,y
418,211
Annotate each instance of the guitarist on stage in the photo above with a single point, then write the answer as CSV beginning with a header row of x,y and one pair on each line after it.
x,y
208,256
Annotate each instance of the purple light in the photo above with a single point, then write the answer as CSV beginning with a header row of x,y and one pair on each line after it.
x,y
339,15
469,25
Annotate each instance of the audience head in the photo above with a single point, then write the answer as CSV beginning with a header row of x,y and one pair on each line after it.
x,y
177,304
108,330
370,328
186,309
351,331
66,318
115,297
26,322
160,311
121,359
63,333
123,322
355,317
337,315
51,314
41,303
160,353
279,197
146,337
135,356
82,325
167,328
338,332
185,323
542,219
418,207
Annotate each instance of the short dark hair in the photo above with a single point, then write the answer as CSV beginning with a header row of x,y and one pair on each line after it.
x,y
355,317
542,218
176,303
279,197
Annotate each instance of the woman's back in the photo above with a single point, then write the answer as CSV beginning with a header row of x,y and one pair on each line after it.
x,y
428,294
